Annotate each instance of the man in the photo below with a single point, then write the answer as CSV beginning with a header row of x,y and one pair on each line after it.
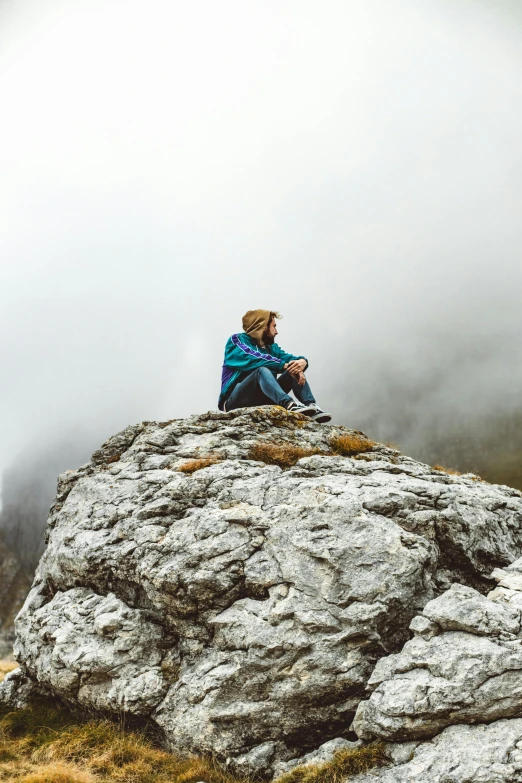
x,y
252,363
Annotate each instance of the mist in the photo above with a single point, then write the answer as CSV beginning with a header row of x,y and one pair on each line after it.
x,y
354,164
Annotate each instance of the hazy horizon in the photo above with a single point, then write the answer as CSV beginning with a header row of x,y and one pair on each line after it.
x,y
354,165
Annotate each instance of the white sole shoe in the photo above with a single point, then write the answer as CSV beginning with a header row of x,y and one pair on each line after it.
x,y
306,410
322,417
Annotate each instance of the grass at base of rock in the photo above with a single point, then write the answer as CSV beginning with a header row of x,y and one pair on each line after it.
x,y
344,764
46,743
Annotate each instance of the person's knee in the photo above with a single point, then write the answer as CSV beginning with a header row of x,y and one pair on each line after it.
x,y
262,372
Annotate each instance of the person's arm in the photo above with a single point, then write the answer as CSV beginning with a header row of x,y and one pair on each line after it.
x,y
287,358
241,356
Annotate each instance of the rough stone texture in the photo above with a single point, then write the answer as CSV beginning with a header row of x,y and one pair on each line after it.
x,y
509,589
460,754
243,606
109,655
16,690
463,666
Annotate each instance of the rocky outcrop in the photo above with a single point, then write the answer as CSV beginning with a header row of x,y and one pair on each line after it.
x,y
82,633
464,665
241,606
17,690
460,754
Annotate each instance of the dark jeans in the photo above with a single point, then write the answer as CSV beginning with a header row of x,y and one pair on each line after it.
x,y
261,387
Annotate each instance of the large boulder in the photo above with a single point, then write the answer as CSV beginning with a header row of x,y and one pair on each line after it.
x,y
240,605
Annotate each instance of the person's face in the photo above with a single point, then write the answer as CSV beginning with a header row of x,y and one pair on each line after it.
x,y
270,332
272,329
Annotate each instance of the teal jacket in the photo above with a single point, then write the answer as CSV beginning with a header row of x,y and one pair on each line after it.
x,y
242,355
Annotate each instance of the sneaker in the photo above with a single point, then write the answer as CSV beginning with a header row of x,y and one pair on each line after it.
x,y
297,407
320,416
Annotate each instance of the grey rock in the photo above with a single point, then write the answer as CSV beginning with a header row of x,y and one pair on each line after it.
x,y
244,606
463,609
509,589
452,678
470,672
400,752
423,627
259,758
460,754
16,690
93,650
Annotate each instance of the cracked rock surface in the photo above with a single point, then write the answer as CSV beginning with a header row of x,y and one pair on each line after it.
x,y
244,607
464,665
460,754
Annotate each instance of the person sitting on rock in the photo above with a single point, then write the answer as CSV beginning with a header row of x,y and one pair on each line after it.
x,y
252,363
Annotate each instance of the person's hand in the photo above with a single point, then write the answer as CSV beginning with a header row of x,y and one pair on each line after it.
x,y
296,367
301,380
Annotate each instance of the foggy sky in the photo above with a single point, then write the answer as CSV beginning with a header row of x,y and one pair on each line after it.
x,y
166,166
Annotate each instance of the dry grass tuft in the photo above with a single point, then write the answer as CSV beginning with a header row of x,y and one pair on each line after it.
x,y
447,470
57,773
351,443
343,764
196,464
45,743
284,455
451,472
